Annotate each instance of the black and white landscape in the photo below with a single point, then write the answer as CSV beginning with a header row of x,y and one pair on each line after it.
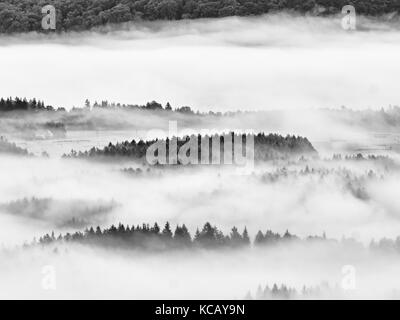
x,y
118,126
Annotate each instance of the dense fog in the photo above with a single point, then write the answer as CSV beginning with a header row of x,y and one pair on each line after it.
x,y
290,68
268,62
361,206
90,273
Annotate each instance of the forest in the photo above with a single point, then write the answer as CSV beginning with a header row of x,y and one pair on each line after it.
x,y
266,147
62,214
11,105
284,292
96,115
22,104
209,237
7,147
25,15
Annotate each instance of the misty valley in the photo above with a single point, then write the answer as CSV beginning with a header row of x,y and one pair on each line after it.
x,y
199,154
72,209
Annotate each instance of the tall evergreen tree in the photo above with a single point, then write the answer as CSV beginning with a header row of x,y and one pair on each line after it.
x,y
167,231
245,236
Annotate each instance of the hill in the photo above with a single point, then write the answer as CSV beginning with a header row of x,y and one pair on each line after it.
x,y
25,15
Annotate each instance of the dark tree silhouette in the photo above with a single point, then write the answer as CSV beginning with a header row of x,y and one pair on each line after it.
x,y
25,15
266,147
167,233
210,238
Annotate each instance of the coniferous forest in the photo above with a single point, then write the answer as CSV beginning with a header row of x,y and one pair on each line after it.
x,y
156,238
25,16
7,147
266,147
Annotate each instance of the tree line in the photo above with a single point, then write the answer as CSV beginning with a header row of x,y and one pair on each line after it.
x,y
353,182
389,116
150,106
22,104
11,148
152,237
77,15
209,237
266,146
43,209
284,292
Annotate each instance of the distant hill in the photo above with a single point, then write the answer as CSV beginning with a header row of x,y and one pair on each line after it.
x,y
266,147
11,148
62,214
25,15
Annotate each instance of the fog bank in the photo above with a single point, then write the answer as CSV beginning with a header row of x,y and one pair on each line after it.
x,y
279,61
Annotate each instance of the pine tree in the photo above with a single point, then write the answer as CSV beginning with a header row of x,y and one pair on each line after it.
x,y
245,236
197,235
98,231
156,229
259,238
186,235
167,231
235,237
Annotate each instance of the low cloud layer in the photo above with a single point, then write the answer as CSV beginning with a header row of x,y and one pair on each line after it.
x,y
280,62
286,63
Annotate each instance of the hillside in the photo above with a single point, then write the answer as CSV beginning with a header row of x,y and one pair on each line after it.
x,y
25,15
266,147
